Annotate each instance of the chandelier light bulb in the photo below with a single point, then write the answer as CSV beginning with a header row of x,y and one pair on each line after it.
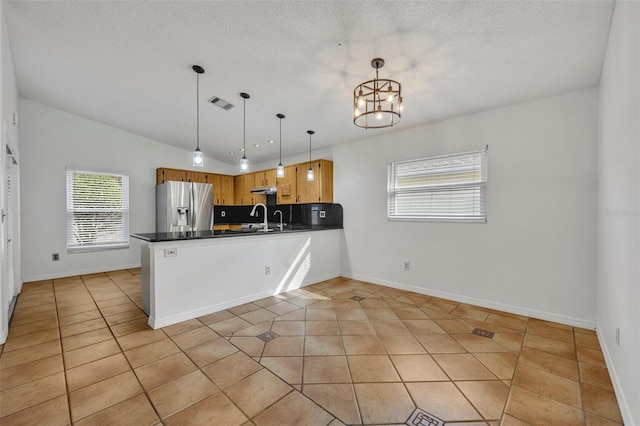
x,y
360,98
356,112
390,95
379,113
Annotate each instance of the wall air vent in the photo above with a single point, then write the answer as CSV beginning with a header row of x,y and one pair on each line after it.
x,y
221,103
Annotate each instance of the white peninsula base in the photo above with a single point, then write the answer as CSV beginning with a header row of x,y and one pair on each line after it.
x,y
186,279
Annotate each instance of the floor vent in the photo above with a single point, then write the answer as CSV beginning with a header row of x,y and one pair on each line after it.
x,y
483,333
268,336
357,298
422,418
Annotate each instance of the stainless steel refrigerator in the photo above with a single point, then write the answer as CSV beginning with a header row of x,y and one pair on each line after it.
x,y
184,207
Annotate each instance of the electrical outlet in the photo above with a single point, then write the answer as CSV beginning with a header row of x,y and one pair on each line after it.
x,y
323,214
267,270
407,266
55,257
223,213
618,336
170,252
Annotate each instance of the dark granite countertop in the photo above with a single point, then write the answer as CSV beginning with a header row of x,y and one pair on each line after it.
x,y
155,237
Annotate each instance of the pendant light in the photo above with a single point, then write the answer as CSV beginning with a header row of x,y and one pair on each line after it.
x,y
198,158
380,98
310,176
244,163
280,168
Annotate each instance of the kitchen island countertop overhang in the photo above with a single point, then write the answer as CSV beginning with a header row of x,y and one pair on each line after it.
x,y
188,276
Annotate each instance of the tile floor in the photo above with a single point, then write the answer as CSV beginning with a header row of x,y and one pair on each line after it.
x,y
339,352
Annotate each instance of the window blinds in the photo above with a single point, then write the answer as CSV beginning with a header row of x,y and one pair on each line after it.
x,y
444,188
97,210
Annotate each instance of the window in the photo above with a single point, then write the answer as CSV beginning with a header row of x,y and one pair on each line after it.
x,y
97,210
449,188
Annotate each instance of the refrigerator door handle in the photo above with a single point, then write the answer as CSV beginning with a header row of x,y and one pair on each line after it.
x,y
192,210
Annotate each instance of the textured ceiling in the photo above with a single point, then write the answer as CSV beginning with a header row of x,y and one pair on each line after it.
x,y
128,63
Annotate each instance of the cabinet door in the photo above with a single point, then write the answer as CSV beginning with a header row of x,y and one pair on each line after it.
x,y
238,190
226,190
216,180
265,177
242,189
287,188
325,173
249,184
308,192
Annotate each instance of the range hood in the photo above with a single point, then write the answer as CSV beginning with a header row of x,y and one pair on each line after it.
x,y
264,190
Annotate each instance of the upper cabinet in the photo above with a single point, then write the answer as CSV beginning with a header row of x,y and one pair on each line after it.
x,y
293,188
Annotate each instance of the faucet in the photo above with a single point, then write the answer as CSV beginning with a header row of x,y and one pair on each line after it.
x,y
280,224
254,213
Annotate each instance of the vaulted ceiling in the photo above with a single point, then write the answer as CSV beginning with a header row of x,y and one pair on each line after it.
x,y
128,63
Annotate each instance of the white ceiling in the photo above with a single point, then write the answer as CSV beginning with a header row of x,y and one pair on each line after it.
x,y
128,63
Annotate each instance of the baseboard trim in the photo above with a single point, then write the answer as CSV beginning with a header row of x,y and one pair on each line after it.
x,y
65,274
625,410
518,310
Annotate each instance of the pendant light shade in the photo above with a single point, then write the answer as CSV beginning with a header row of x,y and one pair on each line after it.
x,y
280,168
244,162
310,176
198,157
377,103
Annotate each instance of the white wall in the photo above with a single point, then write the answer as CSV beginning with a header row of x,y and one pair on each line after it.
x,y
52,139
536,255
618,287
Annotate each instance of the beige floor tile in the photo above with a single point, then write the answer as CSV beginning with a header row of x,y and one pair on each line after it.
x,y
243,309
346,304
551,363
214,410
129,327
284,346
510,341
20,319
90,353
443,400
181,327
255,393
455,325
135,411
414,298
195,337
33,327
297,315
488,397
140,338
383,403
401,344
548,384
258,316
508,420
152,352
472,312
507,320
229,325
85,339
389,327
321,345
372,301
289,328
417,368
337,399
252,346
209,352
463,367
475,343
538,409
410,313
503,365
82,327
282,308
164,370
254,330
372,369
552,346
423,327
215,317
542,329
29,354
363,345
321,315
113,302
593,420
356,328
601,402
288,368
231,369
590,356
175,396
380,314
27,372
31,393
440,343
439,305
26,340
326,369
54,412
96,371
588,340
91,399
322,328
296,409
80,317
595,376
350,314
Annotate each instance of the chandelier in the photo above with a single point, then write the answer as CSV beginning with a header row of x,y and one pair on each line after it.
x,y
377,103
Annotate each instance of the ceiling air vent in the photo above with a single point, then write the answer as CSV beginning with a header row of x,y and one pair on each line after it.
x,y
221,103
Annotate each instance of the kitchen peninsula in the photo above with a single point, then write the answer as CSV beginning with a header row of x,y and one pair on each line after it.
x,y
190,274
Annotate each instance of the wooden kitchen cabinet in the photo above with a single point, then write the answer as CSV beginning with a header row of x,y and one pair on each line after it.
x,y
265,177
320,190
165,174
287,188
242,189
223,190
